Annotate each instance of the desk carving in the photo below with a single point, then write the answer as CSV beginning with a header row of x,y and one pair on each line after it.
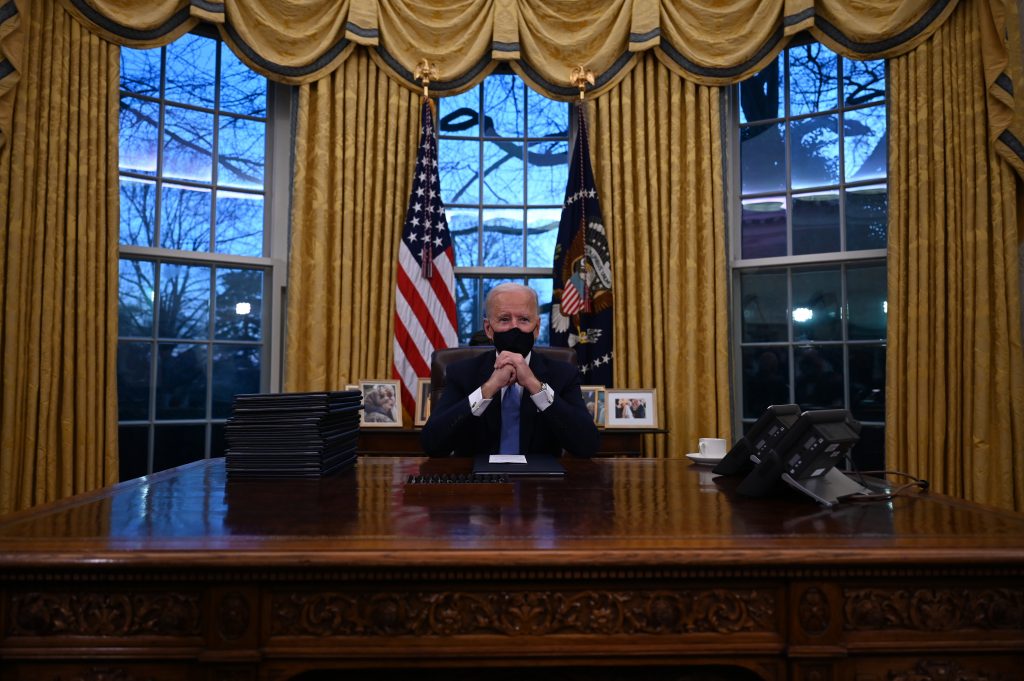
x,y
536,613
946,609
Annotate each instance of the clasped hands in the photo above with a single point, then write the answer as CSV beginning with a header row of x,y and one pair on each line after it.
x,y
509,368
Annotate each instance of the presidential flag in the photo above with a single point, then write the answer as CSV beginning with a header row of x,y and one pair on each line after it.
x,y
425,296
581,301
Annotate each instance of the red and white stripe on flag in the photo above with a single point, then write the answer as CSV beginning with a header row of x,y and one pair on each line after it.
x,y
425,295
572,301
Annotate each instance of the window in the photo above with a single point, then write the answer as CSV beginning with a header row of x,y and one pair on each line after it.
x,y
194,314
503,161
809,238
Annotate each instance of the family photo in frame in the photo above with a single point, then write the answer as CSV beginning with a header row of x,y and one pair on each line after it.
x,y
422,402
593,397
631,408
381,405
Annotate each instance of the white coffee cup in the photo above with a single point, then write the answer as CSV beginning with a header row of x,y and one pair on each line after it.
x,y
711,446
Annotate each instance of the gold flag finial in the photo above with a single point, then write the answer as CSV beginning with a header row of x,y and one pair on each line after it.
x,y
580,76
425,72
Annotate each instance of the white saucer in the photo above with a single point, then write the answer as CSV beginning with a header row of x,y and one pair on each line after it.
x,y
704,458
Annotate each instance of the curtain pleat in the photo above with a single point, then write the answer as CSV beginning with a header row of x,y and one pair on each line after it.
x,y
355,148
58,332
658,160
955,373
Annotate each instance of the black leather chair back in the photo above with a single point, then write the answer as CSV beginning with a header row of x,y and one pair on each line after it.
x,y
440,360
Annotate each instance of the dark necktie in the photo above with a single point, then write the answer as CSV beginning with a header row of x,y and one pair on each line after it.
x,y
509,443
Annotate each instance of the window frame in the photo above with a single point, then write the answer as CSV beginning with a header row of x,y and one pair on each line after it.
x,y
789,264
272,263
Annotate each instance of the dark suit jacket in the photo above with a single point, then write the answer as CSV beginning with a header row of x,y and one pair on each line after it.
x,y
566,424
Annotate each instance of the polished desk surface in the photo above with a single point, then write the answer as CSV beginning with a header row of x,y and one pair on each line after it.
x,y
635,512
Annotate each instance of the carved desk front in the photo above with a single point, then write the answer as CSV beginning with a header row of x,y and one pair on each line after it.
x,y
623,563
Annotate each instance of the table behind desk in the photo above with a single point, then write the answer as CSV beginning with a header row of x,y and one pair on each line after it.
x,y
406,441
624,563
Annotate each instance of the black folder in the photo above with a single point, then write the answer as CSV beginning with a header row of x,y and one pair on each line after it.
x,y
543,465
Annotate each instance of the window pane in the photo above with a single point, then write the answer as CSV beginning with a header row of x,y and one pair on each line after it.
x,y
236,370
464,225
541,235
468,307
181,381
817,309
764,296
863,81
459,115
241,152
819,377
765,379
188,145
458,167
866,301
866,147
503,238
762,158
132,451
140,71
184,301
178,445
813,81
815,148
138,135
191,70
763,229
239,304
816,223
218,443
185,218
543,288
242,90
503,172
135,297
547,117
134,361
867,218
762,96
503,106
548,172
138,212
239,224
867,382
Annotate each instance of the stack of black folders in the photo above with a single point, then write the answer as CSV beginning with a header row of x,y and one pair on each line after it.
x,y
292,435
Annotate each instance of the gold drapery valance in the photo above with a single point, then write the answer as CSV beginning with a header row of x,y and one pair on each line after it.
x,y
542,40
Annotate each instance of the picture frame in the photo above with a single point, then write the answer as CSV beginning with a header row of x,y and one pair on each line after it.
x,y
594,398
382,406
422,402
631,408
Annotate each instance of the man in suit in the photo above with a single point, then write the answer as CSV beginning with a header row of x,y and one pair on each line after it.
x,y
468,418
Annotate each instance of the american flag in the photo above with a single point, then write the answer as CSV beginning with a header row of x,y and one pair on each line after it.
x,y
425,296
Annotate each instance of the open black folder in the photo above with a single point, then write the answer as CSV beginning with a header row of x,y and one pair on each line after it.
x,y
536,465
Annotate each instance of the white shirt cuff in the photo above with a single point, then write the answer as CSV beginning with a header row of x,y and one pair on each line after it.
x,y
477,403
544,398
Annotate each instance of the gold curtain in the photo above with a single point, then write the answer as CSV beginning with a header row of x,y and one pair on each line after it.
x,y
58,266
355,147
301,42
955,374
657,150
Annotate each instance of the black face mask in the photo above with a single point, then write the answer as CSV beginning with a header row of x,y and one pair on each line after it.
x,y
514,340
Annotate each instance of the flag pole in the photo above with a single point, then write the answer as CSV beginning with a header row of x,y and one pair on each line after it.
x,y
425,71
581,76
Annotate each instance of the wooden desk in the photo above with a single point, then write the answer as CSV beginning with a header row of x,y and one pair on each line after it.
x,y
624,563
406,441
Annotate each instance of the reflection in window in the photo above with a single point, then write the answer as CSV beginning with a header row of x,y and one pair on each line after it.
x,y
193,134
809,238
503,156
